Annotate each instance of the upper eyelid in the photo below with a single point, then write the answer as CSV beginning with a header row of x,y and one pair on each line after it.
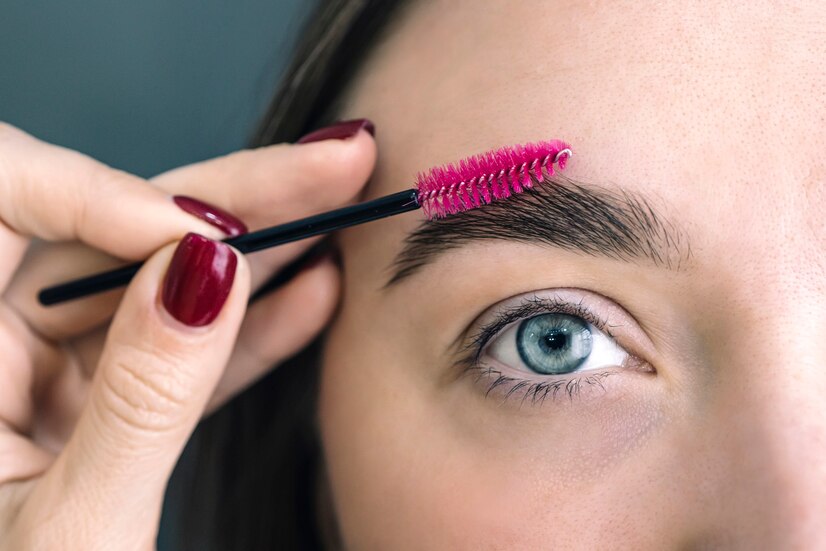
x,y
470,346
530,307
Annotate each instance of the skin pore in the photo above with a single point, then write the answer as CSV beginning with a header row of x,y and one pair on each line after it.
x,y
713,432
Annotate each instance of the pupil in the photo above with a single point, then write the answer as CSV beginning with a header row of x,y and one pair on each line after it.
x,y
555,340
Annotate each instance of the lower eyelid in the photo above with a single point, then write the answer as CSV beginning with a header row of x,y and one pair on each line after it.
x,y
493,383
535,392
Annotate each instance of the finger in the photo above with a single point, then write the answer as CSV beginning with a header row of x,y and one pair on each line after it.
x,y
166,350
61,195
22,458
57,194
263,187
277,184
278,326
274,328
280,182
47,264
16,373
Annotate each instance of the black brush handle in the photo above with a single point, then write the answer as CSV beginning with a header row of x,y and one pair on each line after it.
x,y
397,203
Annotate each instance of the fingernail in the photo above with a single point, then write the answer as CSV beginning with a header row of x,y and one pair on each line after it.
x,y
198,280
339,131
219,218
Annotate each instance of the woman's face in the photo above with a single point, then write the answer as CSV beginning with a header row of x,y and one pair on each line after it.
x,y
668,390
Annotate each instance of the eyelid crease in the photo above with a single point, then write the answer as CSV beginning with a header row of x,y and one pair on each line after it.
x,y
559,212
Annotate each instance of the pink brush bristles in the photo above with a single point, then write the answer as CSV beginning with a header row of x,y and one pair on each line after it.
x,y
484,178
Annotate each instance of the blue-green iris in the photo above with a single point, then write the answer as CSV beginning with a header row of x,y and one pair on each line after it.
x,y
554,344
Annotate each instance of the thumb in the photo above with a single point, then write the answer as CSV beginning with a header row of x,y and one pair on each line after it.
x,y
166,350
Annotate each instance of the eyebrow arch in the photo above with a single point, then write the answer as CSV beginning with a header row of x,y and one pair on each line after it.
x,y
560,212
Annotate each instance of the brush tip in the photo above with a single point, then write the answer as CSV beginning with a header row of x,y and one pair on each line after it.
x,y
482,179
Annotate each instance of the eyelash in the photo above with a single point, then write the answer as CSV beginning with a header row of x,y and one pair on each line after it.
x,y
538,391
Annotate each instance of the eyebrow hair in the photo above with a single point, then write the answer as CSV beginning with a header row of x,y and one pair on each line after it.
x,y
559,212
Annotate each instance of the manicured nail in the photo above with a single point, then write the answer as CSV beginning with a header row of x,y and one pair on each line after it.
x,y
339,131
198,280
219,218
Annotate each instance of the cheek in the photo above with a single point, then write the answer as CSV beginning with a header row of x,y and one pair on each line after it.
x,y
398,478
413,466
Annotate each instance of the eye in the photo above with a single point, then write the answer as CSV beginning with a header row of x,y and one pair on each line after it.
x,y
555,344
532,346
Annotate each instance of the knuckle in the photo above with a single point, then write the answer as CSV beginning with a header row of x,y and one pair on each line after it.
x,y
255,163
94,183
343,164
77,204
147,389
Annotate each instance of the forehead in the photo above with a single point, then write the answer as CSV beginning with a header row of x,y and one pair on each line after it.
x,y
709,106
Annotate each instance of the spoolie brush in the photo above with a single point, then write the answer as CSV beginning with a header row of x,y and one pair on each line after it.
x,y
439,192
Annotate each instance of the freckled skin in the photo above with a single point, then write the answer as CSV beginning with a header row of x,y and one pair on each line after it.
x,y
714,110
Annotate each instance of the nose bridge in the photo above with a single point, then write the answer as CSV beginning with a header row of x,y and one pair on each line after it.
x,y
770,402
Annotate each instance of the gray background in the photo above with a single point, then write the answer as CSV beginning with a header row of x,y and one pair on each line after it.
x,y
144,85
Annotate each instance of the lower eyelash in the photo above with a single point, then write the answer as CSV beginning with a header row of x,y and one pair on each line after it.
x,y
539,391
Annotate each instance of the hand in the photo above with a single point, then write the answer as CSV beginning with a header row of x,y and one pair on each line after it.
x,y
93,414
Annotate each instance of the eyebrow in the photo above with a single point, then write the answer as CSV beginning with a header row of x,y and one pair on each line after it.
x,y
560,212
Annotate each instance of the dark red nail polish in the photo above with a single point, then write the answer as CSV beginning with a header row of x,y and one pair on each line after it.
x,y
219,218
198,280
339,131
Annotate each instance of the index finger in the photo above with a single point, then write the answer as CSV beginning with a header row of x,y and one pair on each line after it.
x,y
56,194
